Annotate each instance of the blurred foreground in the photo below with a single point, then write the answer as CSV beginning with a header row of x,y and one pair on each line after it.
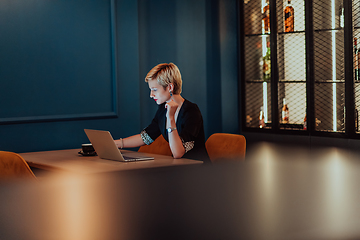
x,y
273,194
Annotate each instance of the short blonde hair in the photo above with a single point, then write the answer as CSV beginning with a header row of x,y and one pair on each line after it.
x,y
166,73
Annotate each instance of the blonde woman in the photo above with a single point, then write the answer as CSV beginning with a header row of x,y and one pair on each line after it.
x,y
177,119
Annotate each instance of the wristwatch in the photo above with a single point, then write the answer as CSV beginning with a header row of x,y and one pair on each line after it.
x,y
170,129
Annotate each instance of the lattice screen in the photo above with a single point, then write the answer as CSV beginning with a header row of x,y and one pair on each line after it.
x,y
329,64
258,86
356,47
291,64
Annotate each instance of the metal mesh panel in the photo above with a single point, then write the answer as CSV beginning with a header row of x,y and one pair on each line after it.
x,y
326,106
329,63
356,45
254,104
253,17
257,74
291,64
329,66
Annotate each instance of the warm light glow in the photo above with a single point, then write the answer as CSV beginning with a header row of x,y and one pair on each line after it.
x,y
264,50
336,173
333,36
73,213
334,108
265,109
264,47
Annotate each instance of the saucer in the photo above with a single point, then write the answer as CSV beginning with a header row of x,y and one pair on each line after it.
x,y
87,153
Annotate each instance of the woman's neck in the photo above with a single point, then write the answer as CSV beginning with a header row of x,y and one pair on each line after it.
x,y
178,99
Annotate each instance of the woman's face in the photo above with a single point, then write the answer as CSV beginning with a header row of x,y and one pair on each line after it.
x,y
158,93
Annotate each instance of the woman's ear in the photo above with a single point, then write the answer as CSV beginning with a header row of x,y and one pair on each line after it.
x,y
171,87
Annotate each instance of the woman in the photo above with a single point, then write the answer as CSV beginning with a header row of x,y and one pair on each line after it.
x,y
177,119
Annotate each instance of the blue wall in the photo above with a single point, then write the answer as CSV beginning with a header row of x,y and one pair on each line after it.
x,y
66,65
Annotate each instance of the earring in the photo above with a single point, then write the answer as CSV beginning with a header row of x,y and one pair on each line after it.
x,y
171,93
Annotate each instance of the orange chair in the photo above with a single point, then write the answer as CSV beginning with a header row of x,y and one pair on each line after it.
x,y
226,146
13,166
159,146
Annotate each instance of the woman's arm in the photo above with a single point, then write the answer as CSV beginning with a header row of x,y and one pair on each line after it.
x,y
147,136
175,142
130,142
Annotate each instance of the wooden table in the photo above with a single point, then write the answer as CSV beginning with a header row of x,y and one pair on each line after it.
x,y
276,193
70,161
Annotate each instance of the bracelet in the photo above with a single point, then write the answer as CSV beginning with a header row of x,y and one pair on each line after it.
x,y
121,143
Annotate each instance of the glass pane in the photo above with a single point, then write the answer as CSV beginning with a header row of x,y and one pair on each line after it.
x,y
329,66
257,96
291,64
328,14
257,64
257,77
356,44
326,106
253,16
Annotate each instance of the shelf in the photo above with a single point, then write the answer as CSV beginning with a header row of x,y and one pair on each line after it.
x,y
257,81
257,35
298,81
292,81
329,30
280,81
331,81
268,34
292,126
295,32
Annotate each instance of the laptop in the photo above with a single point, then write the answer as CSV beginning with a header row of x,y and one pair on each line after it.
x,y
106,148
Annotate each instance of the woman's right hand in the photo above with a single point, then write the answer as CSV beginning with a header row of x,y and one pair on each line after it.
x,y
171,107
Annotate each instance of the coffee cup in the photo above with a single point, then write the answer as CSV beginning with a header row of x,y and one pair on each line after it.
x,y
87,149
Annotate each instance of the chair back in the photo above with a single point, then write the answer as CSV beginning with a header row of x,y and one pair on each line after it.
x,y
13,166
226,146
159,146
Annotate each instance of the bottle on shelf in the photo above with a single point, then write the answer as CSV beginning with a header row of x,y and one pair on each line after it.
x,y
248,120
341,15
261,66
305,122
261,118
289,17
267,64
358,64
356,61
356,120
285,112
266,18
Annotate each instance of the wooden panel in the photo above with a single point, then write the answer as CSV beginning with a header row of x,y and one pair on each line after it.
x,y
57,60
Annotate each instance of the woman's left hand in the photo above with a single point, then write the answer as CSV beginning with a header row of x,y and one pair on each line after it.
x,y
171,107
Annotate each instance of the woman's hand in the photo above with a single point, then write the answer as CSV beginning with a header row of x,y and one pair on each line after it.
x,y
171,107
